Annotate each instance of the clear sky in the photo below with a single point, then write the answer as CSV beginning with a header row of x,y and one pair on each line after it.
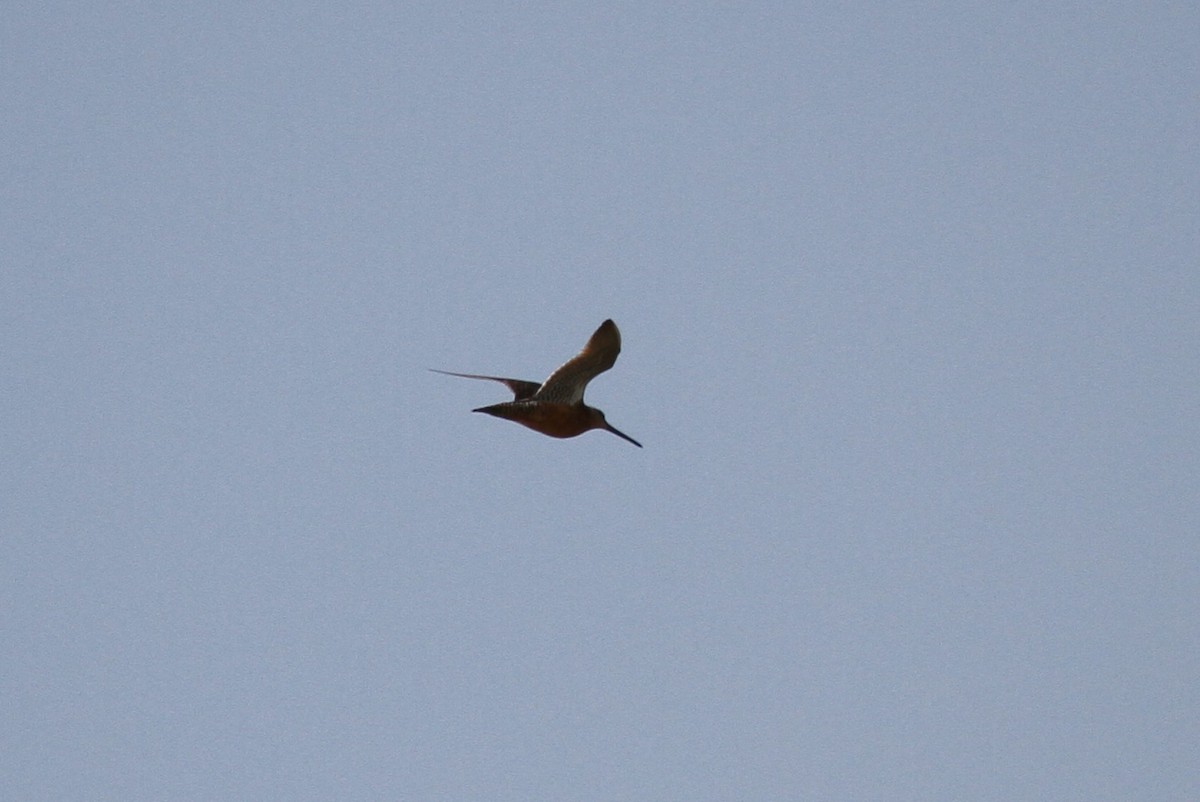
x,y
910,297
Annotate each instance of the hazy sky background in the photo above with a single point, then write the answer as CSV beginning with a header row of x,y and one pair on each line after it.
x,y
910,297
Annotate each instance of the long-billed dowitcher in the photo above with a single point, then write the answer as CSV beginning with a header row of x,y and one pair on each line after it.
x,y
555,407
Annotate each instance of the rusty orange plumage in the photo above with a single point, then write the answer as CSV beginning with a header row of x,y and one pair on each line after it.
x,y
555,407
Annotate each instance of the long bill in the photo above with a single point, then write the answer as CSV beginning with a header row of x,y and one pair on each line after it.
x,y
614,430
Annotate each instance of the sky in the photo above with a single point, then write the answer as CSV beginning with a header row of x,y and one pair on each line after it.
x,y
910,305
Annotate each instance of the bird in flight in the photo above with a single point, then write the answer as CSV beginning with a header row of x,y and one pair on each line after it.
x,y
555,407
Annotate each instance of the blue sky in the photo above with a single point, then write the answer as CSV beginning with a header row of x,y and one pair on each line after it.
x,y
910,303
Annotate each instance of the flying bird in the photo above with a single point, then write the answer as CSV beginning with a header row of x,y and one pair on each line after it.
x,y
555,407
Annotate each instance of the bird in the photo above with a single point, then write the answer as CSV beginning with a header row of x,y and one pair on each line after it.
x,y
555,407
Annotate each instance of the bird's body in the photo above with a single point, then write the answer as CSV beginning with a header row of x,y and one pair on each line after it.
x,y
555,420
555,407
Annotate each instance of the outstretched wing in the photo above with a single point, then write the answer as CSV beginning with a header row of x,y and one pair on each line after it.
x,y
566,384
520,389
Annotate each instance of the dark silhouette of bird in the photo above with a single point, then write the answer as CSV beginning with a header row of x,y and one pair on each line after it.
x,y
555,407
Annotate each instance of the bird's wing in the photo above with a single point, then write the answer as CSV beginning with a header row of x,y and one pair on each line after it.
x,y
566,384
521,389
